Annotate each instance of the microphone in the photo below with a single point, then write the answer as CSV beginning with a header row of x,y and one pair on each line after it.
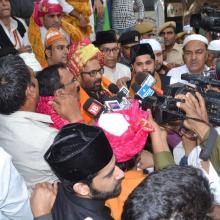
x,y
113,88
93,107
142,78
142,91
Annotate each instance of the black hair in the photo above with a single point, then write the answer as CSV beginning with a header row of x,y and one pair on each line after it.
x,y
14,80
173,193
141,49
49,79
128,165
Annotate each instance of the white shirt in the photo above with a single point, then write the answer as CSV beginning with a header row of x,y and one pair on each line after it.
x,y
194,160
118,72
176,73
211,175
14,25
26,136
14,201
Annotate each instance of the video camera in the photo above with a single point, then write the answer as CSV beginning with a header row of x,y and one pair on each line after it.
x,y
164,108
208,19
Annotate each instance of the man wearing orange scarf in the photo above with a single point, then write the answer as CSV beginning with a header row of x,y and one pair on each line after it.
x,y
86,63
143,61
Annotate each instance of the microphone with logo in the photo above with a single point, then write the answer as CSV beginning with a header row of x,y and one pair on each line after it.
x,y
94,108
142,92
119,100
142,79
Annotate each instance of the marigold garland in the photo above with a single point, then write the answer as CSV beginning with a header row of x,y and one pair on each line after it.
x,y
36,42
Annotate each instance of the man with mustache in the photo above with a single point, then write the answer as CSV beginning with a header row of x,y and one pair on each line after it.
x,y
114,71
85,62
194,56
47,14
82,158
173,50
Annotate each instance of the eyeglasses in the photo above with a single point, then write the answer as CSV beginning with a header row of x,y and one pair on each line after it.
x,y
109,50
93,73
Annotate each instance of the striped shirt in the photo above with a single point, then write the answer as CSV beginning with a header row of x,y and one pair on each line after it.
x,y
123,14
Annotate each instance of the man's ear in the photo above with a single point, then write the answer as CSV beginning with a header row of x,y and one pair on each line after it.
x,y
132,66
48,53
59,92
81,189
30,92
183,58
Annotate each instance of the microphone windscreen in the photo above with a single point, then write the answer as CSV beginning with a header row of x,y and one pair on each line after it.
x,y
113,88
140,77
135,87
93,107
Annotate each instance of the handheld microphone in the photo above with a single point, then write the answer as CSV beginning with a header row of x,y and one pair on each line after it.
x,y
113,88
142,91
141,78
93,107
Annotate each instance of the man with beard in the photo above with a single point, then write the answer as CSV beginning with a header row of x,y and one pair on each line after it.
x,y
158,53
143,61
114,71
86,64
82,158
172,49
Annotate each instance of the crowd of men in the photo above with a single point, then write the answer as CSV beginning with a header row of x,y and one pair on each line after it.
x,y
79,136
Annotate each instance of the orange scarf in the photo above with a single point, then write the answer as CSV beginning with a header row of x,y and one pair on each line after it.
x,y
158,83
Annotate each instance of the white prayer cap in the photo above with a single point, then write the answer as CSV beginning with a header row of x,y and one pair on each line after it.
x,y
31,61
197,37
154,44
214,45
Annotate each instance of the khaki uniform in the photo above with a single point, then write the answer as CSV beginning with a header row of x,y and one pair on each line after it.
x,y
175,55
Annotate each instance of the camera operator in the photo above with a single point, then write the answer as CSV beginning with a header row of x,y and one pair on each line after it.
x,y
197,121
194,56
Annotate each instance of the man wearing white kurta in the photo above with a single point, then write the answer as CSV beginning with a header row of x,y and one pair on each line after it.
x,y
194,56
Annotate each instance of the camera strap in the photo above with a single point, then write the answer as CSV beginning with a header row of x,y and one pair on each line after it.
x,y
206,152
